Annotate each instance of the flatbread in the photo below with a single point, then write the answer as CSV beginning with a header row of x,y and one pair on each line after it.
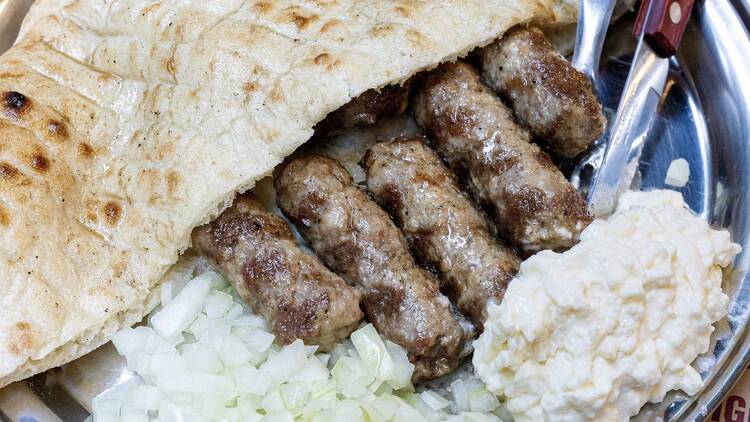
x,y
125,124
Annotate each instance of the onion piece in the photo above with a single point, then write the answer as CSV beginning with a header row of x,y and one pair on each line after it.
x,y
373,353
178,314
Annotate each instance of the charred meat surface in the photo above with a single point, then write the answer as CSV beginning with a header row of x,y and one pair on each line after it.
x,y
357,239
440,222
366,109
533,205
299,297
548,95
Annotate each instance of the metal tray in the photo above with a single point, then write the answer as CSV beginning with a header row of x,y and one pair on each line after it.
x,y
704,118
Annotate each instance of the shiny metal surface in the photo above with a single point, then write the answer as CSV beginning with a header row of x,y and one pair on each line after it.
x,y
11,15
635,114
714,56
594,18
704,118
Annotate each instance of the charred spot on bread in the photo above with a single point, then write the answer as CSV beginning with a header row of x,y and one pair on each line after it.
x,y
40,163
15,104
85,150
8,172
262,7
57,130
20,338
4,217
112,213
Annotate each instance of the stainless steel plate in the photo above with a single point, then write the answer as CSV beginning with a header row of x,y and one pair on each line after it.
x,y
704,118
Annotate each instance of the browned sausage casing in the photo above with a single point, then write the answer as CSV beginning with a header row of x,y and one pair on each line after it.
x,y
440,222
299,297
366,109
532,203
547,93
357,239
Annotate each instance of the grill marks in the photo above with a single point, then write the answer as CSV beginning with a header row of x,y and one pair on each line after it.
x,y
293,290
446,232
358,240
532,204
550,97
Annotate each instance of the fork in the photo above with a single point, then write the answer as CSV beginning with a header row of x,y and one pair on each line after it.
x,y
594,17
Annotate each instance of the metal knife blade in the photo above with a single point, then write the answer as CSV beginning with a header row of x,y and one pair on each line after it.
x,y
659,26
635,114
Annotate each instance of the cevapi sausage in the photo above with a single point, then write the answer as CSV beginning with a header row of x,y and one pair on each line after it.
x,y
440,222
357,239
299,297
533,205
365,109
547,94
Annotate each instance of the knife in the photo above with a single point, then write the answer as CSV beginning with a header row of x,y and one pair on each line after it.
x,y
659,27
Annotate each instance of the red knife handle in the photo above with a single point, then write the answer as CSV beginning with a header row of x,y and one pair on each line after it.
x,y
666,23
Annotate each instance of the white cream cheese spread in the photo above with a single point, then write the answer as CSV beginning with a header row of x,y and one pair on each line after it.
x,y
595,332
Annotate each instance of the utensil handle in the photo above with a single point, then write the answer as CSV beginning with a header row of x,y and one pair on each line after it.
x,y
663,23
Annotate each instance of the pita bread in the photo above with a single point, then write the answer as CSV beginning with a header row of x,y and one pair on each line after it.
x,y
124,124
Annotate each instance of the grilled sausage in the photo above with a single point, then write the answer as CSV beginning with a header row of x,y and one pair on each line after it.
x,y
533,205
442,226
358,240
547,94
365,110
299,297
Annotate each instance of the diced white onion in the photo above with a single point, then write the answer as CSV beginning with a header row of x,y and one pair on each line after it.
x,y
434,400
180,312
217,304
460,395
678,173
373,353
233,351
249,379
166,292
143,397
205,357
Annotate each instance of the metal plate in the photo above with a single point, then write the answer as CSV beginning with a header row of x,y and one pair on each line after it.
x,y
704,118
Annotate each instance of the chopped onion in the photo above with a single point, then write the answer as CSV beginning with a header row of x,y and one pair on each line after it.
x,y
259,340
194,382
403,367
460,395
352,377
233,351
249,379
166,292
206,357
203,358
180,312
434,400
217,304
135,415
373,353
